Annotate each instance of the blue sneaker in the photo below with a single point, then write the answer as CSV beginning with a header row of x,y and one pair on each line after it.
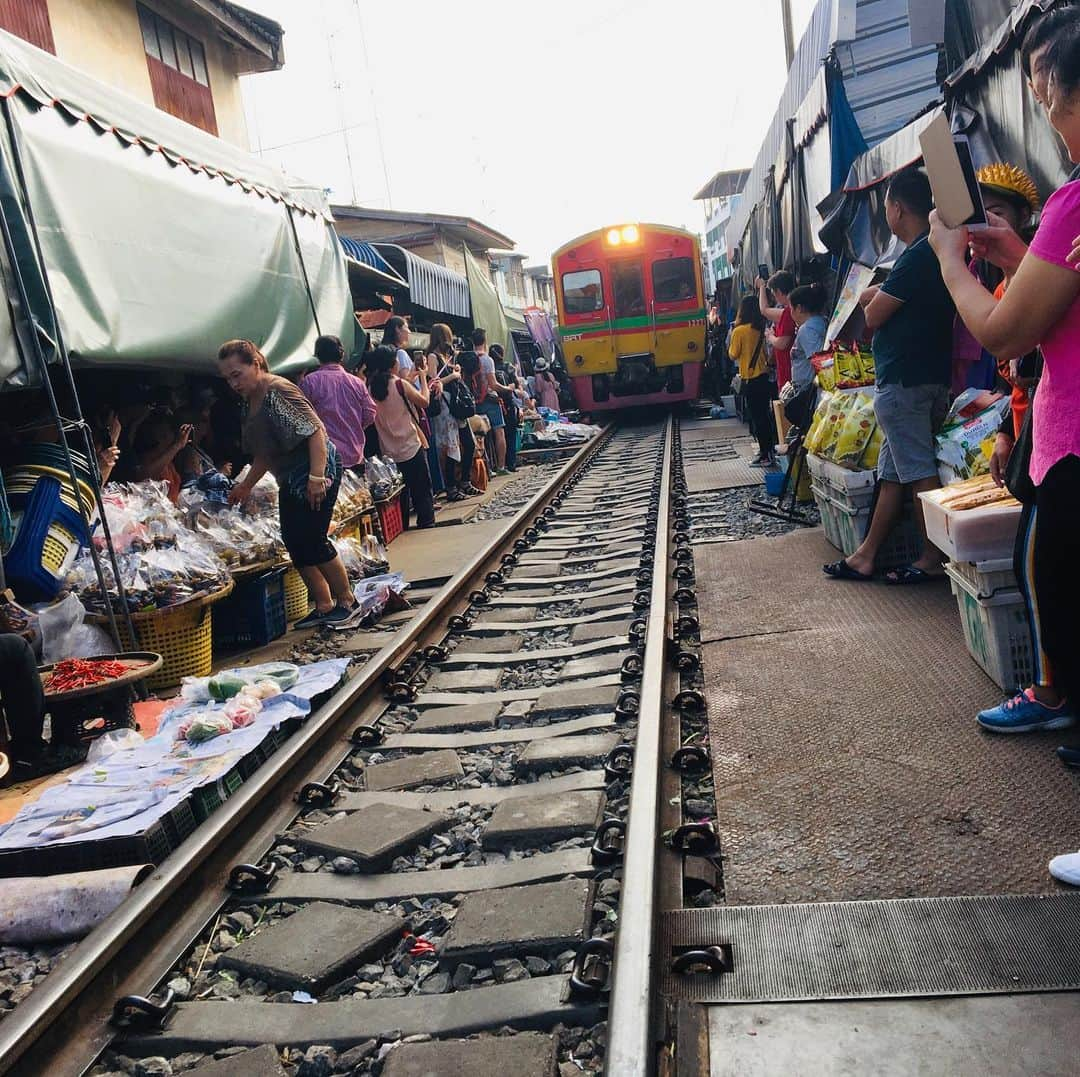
x,y
1025,714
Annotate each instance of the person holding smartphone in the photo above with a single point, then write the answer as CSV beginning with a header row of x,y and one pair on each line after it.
x,y
780,335
158,443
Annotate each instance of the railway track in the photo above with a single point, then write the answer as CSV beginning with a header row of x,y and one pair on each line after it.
x,y
461,844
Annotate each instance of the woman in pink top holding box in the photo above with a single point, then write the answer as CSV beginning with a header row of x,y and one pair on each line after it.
x,y
1042,308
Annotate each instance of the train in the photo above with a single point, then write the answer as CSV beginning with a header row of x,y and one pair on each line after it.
x,y
632,319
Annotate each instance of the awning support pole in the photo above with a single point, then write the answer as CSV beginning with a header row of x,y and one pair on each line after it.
x,y
8,194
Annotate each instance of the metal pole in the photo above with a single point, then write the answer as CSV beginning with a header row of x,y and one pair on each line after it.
x,y
789,34
38,334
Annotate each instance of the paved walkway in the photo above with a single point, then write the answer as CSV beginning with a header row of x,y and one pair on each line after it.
x,y
847,761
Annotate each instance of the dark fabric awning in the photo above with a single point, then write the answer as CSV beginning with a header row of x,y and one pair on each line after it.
x,y
432,286
367,265
1001,43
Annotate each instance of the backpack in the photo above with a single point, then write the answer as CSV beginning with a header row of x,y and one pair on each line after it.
x,y
459,400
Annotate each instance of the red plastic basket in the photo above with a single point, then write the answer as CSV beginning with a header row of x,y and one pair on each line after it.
x,y
390,520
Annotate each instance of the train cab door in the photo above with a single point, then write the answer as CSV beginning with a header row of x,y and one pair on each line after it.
x,y
677,307
631,306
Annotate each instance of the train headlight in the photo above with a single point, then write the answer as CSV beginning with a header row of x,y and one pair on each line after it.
x,y
613,237
630,233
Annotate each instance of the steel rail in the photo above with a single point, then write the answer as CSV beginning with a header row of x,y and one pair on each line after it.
x,y
629,1033
63,1026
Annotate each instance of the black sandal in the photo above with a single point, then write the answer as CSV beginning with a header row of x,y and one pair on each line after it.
x,y
841,570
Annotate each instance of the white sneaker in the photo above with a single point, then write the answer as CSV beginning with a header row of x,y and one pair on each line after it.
x,y
1066,868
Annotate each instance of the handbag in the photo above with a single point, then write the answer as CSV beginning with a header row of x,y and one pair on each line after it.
x,y
1018,470
425,441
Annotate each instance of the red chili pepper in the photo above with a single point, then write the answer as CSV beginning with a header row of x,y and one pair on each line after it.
x,y
73,673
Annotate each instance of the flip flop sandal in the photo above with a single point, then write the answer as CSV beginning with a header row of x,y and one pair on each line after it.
x,y
910,575
841,570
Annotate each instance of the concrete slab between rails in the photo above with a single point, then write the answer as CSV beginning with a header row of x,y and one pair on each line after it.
x,y
536,820
445,799
469,679
502,660
546,572
480,625
372,836
552,542
526,560
299,886
547,596
497,736
528,1054
315,947
988,1036
504,645
615,570
581,751
541,1002
451,699
457,719
593,665
413,770
542,919
585,633
260,1062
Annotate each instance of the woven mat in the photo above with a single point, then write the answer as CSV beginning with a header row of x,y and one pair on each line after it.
x,y
847,761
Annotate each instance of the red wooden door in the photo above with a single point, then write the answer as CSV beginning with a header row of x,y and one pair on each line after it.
x,y
28,19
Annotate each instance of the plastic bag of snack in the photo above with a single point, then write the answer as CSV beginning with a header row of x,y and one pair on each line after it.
x,y
848,369
812,441
858,426
834,422
872,450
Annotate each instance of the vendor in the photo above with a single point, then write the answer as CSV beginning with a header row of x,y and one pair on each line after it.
x,y
26,755
286,437
158,443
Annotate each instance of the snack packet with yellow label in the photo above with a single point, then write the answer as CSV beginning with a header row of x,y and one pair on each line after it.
x,y
859,424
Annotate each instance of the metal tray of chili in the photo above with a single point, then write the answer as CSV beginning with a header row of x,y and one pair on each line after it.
x,y
73,677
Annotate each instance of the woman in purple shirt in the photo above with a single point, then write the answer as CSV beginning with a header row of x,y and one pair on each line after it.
x,y
341,400
1042,308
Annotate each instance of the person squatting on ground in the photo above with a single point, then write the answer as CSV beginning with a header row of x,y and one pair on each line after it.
x,y
399,405
911,315
284,436
747,348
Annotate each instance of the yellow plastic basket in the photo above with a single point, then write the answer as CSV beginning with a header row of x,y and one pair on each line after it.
x,y
296,596
182,635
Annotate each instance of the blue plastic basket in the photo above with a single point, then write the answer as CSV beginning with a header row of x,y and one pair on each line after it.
x,y
774,482
254,614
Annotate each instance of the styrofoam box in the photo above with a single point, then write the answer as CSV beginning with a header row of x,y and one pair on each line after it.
x,y
987,577
852,488
986,534
996,632
729,403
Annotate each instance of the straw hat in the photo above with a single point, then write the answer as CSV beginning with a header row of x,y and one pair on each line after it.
x,y
1011,181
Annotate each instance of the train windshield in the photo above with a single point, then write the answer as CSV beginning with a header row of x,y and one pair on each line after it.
x,y
673,280
583,293
629,285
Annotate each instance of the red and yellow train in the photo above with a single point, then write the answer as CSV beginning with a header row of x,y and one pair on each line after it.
x,y
631,305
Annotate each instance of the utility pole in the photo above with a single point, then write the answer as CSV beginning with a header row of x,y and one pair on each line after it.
x,y
789,36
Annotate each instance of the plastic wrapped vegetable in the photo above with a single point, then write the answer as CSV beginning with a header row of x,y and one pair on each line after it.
x,y
231,682
204,725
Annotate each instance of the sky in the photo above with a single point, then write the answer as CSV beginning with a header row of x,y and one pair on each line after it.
x,y
542,120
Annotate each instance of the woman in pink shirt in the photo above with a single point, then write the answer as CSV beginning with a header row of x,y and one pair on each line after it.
x,y
1042,308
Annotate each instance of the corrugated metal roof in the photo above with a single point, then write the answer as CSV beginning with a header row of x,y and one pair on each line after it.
x,y
430,285
886,80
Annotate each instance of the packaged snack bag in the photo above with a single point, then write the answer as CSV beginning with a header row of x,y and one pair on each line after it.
x,y
872,450
858,425
842,404
812,442
848,369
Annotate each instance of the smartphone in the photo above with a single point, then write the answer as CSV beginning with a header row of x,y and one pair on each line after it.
x,y
763,271
967,166
951,170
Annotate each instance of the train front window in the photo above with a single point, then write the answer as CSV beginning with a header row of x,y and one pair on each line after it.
x,y
583,292
673,280
629,286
